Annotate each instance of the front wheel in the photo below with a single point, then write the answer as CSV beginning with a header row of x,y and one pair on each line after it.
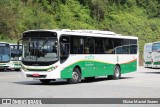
x,y
76,76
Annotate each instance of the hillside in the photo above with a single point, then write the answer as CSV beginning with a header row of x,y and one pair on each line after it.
x,y
140,18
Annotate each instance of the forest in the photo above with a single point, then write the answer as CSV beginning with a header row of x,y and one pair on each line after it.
x,y
139,18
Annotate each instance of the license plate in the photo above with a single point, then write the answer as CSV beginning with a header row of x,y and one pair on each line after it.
x,y
35,75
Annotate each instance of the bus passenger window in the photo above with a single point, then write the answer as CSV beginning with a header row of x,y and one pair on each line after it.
x,y
108,46
64,48
77,45
89,46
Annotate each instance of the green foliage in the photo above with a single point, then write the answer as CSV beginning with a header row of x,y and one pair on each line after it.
x,y
128,17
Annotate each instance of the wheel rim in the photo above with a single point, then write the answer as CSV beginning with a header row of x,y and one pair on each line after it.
x,y
117,72
75,76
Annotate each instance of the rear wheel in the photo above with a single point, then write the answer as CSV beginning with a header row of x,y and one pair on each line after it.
x,y
45,81
76,77
117,73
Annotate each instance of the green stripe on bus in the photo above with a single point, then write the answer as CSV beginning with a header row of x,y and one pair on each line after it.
x,y
36,69
156,63
148,62
2,64
97,68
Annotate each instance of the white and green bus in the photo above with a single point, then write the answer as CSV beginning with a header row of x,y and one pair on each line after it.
x,y
147,55
156,55
5,55
10,56
77,54
15,62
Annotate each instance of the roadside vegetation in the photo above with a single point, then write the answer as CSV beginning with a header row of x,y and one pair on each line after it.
x,y
139,18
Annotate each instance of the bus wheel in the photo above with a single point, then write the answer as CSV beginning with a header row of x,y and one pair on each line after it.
x,y
117,73
45,81
76,76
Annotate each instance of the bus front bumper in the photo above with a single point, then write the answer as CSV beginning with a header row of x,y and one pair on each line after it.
x,y
41,74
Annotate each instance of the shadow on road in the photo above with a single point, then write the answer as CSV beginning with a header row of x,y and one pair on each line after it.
x,y
64,82
151,72
153,68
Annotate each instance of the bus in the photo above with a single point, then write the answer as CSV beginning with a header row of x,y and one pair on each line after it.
x,y
5,55
147,55
15,62
77,54
156,55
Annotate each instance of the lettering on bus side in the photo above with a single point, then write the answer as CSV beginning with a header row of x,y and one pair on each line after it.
x,y
89,57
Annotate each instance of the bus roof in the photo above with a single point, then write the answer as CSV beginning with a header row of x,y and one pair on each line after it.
x,y
93,33
157,42
14,44
148,43
4,42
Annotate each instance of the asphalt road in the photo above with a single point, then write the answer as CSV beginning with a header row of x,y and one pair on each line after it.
x,y
145,83
142,84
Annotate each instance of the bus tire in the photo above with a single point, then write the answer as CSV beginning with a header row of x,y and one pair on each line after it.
x,y
76,77
45,81
117,73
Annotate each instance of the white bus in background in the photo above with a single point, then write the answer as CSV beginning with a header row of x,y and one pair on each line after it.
x,y
5,55
16,55
156,55
147,55
75,54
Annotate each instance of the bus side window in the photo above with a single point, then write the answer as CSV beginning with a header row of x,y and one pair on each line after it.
x,y
108,46
64,48
77,45
99,46
89,46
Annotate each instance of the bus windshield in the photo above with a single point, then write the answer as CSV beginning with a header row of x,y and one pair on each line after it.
x,y
156,47
40,49
4,52
15,53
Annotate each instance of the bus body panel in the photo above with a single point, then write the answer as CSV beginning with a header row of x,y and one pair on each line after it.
x,y
48,72
4,66
147,55
15,62
156,59
4,55
156,55
100,65
15,65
